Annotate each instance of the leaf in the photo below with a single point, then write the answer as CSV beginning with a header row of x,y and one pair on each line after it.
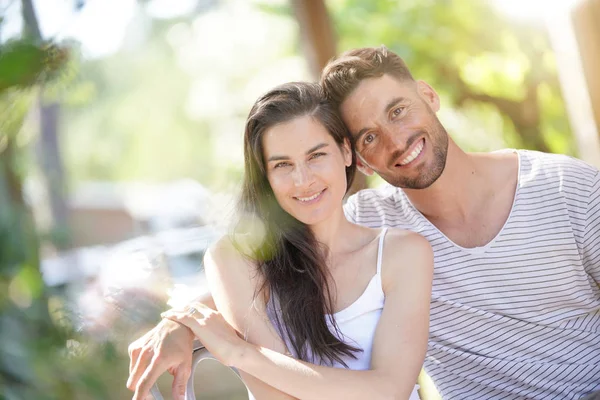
x,y
24,64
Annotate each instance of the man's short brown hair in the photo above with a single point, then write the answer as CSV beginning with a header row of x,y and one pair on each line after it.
x,y
343,74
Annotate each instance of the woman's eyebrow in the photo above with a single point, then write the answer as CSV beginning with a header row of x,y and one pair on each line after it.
x,y
311,150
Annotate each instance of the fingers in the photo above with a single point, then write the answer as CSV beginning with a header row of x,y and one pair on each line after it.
x,y
174,315
201,306
149,377
136,347
166,347
198,308
145,357
180,380
184,319
134,353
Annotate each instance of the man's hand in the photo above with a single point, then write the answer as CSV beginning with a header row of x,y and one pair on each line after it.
x,y
167,347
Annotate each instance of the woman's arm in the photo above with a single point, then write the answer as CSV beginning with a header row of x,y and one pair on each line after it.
x,y
399,345
234,281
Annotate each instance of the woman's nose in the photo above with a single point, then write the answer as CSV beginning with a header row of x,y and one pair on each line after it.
x,y
302,175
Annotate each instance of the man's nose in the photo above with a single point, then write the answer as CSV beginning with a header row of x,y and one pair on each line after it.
x,y
394,138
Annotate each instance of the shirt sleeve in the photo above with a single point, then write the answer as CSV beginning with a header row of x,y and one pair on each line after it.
x,y
350,208
591,239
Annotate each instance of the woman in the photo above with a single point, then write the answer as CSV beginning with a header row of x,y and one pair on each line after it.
x,y
328,309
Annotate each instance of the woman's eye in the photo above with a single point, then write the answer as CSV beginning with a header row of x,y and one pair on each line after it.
x,y
281,164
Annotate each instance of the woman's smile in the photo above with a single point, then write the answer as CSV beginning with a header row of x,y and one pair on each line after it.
x,y
311,199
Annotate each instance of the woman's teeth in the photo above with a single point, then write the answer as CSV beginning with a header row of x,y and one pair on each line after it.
x,y
314,196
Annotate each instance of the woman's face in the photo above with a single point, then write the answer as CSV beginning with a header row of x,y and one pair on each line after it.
x,y
306,168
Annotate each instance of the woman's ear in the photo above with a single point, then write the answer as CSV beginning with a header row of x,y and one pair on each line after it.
x,y
362,166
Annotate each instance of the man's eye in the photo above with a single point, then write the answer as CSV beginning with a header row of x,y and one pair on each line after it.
x,y
397,111
369,137
317,155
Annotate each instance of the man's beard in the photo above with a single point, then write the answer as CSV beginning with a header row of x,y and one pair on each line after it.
x,y
427,174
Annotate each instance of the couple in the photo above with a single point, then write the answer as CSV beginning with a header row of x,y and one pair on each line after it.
x,y
515,298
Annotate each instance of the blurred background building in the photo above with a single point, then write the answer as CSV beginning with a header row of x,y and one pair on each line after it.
x,y
121,128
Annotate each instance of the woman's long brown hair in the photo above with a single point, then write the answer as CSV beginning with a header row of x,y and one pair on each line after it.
x,y
290,260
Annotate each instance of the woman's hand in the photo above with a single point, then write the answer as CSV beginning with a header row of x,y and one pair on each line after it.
x,y
212,330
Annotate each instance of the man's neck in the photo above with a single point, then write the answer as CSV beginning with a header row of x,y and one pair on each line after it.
x,y
463,188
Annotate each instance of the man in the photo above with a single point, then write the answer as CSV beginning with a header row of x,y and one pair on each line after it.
x,y
515,309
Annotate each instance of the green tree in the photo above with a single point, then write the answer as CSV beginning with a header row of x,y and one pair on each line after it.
x,y
41,356
482,64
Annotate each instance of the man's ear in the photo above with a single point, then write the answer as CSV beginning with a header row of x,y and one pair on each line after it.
x,y
362,167
429,95
347,153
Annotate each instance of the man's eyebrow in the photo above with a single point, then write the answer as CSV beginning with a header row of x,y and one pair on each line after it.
x,y
360,133
386,110
393,102
311,150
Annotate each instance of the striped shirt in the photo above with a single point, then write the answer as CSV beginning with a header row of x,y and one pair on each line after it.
x,y
518,318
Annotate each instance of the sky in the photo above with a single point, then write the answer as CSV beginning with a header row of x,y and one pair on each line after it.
x,y
100,25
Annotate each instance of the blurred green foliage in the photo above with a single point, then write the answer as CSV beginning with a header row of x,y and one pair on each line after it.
x,y
126,119
497,80
497,77
42,356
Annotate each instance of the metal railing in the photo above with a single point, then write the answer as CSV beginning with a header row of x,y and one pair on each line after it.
x,y
199,355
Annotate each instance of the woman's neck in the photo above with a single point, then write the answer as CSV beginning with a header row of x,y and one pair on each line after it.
x,y
330,231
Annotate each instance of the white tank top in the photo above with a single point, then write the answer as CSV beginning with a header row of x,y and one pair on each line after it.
x,y
357,322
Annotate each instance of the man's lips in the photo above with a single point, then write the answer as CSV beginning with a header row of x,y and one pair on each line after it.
x,y
411,154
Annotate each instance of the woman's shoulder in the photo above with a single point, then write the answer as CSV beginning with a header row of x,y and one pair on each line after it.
x,y
224,253
403,250
225,260
400,239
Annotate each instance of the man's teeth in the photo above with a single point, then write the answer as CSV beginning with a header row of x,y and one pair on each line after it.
x,y
415,153
314,196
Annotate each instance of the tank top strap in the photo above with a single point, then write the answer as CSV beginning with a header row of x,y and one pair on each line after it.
x,y
380,250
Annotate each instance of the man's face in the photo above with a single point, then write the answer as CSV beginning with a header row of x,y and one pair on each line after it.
x,y
396,131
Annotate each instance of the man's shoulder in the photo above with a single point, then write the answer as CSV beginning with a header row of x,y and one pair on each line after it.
x,y
385,193
555,162
382,206
555,169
